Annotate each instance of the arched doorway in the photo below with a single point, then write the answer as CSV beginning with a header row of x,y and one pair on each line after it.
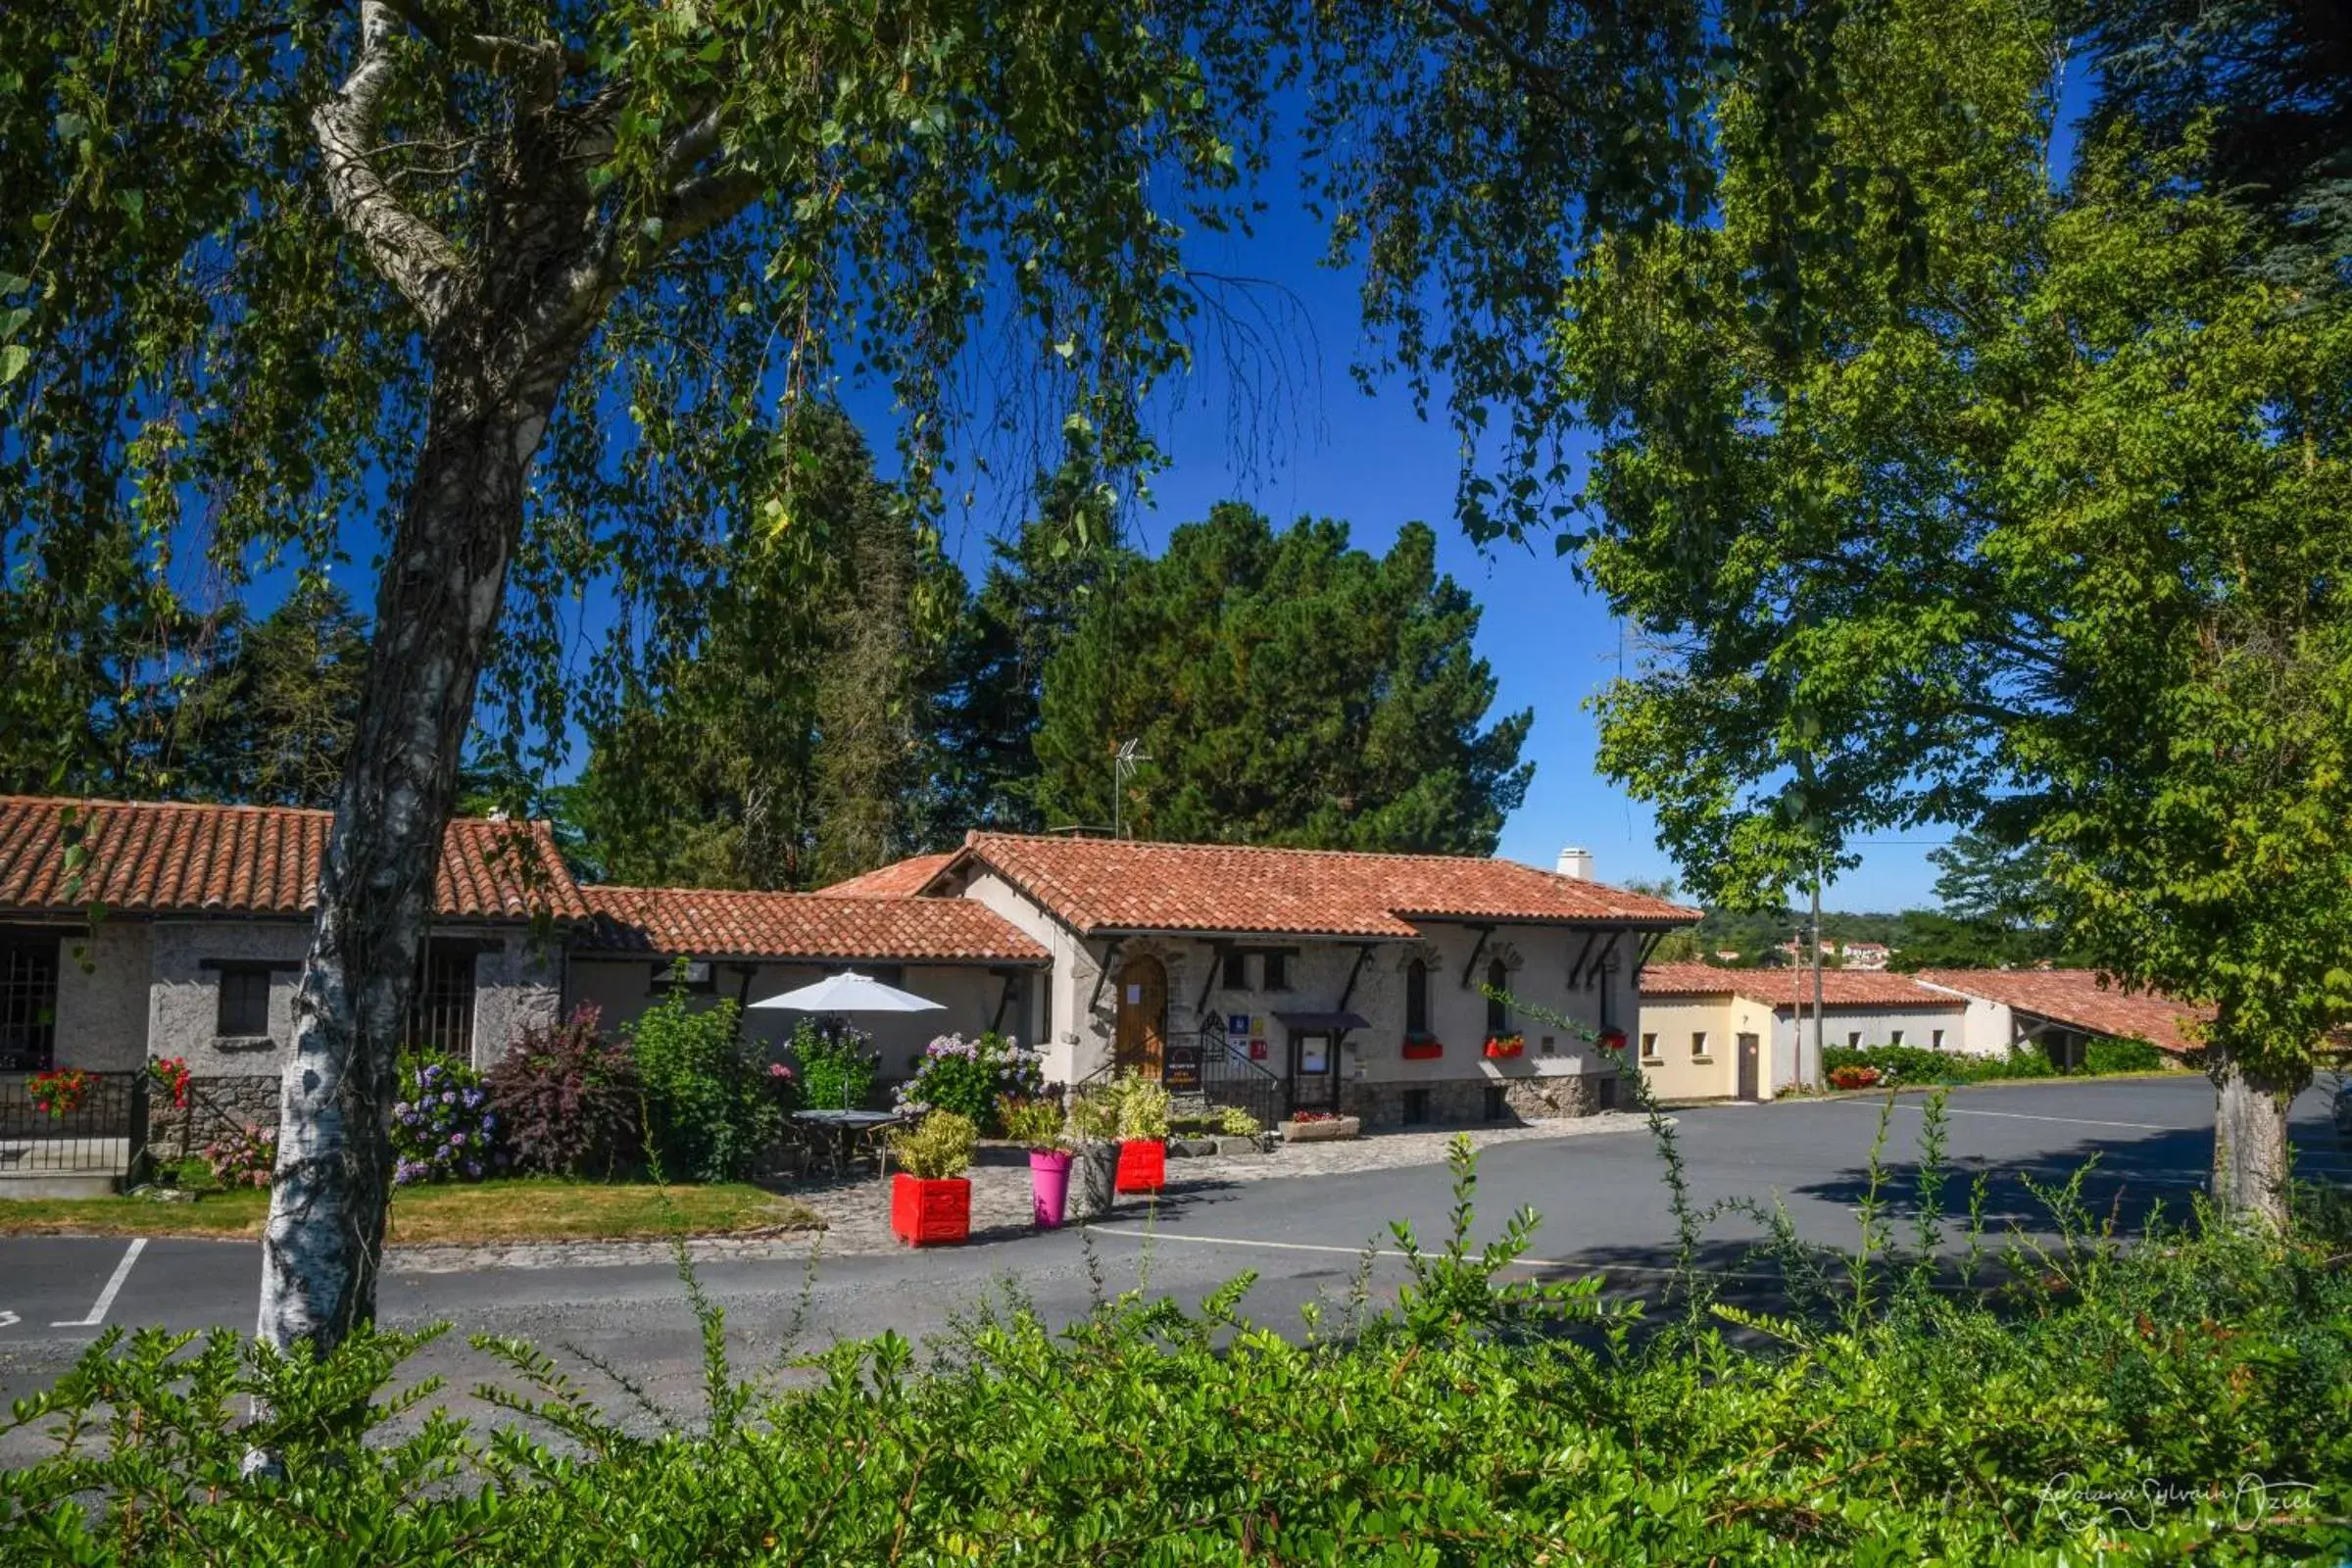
x,y
1142,1027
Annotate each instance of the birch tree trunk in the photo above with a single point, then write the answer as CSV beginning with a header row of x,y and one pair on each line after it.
x,y
2250,1166
435,610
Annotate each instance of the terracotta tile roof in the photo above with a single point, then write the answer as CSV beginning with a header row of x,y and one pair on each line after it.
x,y
1787,988
899,879
715,922
158,857
2076,999
1123,885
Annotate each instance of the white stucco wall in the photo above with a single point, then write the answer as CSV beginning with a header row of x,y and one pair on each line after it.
x,y
1675,1073
622,989
1058,996
183,1002
101,1020
1987,1028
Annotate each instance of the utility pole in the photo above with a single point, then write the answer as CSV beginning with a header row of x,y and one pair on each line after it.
x,y
1814,1080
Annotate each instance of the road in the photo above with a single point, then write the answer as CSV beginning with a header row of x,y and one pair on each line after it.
x,y
1602,1200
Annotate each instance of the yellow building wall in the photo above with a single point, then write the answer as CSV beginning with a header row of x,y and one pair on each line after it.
x,y
1662,1046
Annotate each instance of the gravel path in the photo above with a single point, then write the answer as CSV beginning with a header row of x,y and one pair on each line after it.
x,y
857,1211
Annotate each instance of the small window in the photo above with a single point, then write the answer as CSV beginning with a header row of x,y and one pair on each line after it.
x,y
244,1002
1649,1048
1236,971
1278,972
1936,1039
1698,1044
1498,1011
1416,998
1895,1037
698,975
1853,1039
1415,1110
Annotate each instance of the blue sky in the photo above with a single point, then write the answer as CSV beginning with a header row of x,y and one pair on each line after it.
x,y
1371,462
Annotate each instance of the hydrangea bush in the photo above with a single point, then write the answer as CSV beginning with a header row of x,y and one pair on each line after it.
x,y
243,1156
443,1129
968,1077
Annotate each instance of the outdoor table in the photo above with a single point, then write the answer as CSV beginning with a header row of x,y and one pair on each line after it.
x,y
840,1132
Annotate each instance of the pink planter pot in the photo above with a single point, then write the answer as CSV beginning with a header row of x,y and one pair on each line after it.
x,y
1049,1186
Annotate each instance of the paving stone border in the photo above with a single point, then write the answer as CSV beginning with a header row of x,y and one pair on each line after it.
x,y
857,1211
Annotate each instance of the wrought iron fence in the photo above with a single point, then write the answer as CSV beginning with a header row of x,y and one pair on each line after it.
x,y
100,1128
1217,1070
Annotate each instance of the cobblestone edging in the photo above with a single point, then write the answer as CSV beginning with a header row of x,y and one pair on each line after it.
x,y
857,1212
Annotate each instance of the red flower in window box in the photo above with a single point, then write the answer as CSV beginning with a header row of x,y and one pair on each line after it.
x,y
1504,1045
1612,1039
1418,1048
930,1213
59,1094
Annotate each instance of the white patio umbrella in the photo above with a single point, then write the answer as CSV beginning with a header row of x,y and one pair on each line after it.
x,y
851,992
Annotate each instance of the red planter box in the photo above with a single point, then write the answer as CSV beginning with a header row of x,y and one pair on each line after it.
x,y
930,1213
1143,1166
1423,1050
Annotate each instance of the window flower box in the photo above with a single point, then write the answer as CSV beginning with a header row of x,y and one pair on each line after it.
x,y
1612,1039
930,1212
1423,1050
1504,1046
59,1094
1143,1166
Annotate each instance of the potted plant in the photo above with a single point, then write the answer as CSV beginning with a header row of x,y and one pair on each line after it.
x,y
1094,1136
1500,1047
1144,1108
1319,1127
930,1197
1037,1124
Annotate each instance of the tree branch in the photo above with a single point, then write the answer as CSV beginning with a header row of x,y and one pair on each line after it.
x,y
499,54
707,202
413,254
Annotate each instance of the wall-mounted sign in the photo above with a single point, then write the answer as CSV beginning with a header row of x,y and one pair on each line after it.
x,y
1135,995
1257,1050
1237,1024
1182,1067
1314,1054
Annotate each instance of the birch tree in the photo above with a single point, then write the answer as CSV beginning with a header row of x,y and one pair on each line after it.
x,y
518,298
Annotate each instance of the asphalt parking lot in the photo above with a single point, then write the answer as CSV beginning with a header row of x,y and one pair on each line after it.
x,y
1601,1197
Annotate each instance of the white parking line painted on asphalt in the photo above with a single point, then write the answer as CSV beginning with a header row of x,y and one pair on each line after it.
x,y
106,1298
1132,1234
2019,1116
8,1320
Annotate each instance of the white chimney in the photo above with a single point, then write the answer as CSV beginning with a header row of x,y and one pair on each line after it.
x,y
1576,862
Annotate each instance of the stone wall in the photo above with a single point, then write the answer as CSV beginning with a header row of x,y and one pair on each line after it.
x,y
216,1105
1448,1101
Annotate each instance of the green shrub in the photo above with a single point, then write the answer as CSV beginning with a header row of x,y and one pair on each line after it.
x,y
1235,1122
937,1147
2121,1056
837,1063
709,1111
1094,1114
1463,1428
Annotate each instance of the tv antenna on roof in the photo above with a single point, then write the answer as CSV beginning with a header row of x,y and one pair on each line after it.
x,y
1122,769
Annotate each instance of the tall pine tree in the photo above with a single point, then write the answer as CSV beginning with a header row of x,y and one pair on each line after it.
x,y
1287,689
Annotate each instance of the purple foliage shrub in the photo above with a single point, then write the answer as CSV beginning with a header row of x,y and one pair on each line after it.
x,y
569,1100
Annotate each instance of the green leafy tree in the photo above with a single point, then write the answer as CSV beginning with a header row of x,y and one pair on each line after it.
x,y
1040,583
269,716
792,742
1287,689
270,270
2042,510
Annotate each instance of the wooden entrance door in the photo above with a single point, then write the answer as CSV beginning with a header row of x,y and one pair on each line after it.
x,y
1143,1031
1750,1049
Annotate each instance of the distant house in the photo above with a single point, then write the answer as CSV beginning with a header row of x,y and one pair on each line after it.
x,y
2064,1009
1734,1034
1869,956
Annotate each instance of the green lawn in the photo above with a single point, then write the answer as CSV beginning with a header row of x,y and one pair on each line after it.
x,y
519,1211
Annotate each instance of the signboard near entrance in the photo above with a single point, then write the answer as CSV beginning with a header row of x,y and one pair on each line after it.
x,y
1182,1067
